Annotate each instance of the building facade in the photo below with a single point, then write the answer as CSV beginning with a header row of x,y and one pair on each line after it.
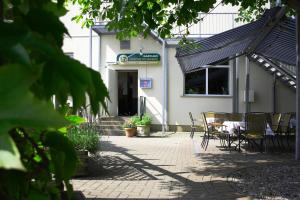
x,y
147,67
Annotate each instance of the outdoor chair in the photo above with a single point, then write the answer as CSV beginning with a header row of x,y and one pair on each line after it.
x,y
230,138
255,129
210,129
274,121
193,126
235,117
284,127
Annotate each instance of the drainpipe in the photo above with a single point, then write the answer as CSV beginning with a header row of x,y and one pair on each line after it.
x,y
274,100
237,84
165,88
247,106
234,99
91,48
165,84
91,66
297,149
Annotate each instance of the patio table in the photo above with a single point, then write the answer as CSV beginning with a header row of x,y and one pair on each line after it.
x,y
232,126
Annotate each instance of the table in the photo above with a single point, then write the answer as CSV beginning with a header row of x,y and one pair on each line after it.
x,y
231,127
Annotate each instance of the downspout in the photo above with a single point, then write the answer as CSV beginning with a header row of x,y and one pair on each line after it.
x,y
233,65
297,148
237,85
165,88
274,100
165,84
247,106
91,48
90,117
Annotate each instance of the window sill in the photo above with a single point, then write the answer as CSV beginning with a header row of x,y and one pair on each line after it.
x,y
206,96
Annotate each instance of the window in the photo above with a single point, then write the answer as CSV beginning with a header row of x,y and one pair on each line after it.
x,y
195,82
125,44
209,81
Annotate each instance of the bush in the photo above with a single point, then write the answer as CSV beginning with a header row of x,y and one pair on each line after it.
x,y
129,124
146,120
84,137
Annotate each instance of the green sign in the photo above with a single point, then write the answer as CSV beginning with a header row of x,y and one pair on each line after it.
x,y
137,58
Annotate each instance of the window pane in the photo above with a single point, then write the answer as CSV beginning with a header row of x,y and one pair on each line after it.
x,y
218,81
195,82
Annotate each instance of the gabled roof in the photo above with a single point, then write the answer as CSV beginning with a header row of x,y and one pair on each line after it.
x,y
273,36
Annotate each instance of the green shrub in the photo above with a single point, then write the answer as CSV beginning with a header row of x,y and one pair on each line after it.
x,y
129,124
84,137
146,120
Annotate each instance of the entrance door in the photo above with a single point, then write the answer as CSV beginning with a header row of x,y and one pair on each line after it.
x,y
127,93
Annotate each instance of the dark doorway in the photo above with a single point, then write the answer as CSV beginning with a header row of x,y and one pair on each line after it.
x,y
127,93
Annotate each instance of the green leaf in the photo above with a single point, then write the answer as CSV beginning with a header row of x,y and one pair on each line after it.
x,y
18,54
75,120
38,195
9,154
63,155
18,105
36,19
11,34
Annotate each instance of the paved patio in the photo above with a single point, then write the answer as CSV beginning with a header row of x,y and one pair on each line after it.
x,y
172,167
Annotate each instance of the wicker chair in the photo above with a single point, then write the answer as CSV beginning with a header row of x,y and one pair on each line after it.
x,y
284,127
274,121
255,129
193,126
210,129
234,117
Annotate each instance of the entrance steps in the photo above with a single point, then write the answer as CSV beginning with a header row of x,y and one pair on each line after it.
x,y
111,126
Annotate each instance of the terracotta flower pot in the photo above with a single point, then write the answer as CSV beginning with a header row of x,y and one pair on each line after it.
x,y
130,132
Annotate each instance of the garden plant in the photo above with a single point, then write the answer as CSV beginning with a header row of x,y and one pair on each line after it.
x,y
36,159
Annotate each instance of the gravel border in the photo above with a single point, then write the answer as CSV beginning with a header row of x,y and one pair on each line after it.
x,y
273,181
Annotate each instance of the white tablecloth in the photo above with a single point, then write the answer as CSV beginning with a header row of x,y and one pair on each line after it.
x,y
232,126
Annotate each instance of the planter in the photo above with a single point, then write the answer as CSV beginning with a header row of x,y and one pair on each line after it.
x,y
130,132
143,130
82,166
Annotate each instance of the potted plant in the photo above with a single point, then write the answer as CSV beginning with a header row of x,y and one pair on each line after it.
x,y
85,139
142,124
130,128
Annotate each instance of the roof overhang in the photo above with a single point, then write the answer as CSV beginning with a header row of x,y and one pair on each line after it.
x,y
272,36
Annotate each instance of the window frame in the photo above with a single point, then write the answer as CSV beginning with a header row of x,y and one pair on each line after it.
x,y
206,82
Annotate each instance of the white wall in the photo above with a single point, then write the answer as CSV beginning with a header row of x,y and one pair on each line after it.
x,y
106,48
180,105
262,84
110,48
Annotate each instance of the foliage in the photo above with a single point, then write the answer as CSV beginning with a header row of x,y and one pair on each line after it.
x,y
129,124
75,120
138,121
36,160
84,137
134,17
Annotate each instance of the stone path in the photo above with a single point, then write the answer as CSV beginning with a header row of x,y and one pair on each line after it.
x,y
172,167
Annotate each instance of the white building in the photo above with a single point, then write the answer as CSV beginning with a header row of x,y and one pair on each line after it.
x,y
171,94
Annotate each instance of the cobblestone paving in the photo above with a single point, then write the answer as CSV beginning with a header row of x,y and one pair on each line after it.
x,y
173,167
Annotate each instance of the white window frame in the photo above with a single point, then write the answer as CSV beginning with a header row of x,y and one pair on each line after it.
x,y
206,83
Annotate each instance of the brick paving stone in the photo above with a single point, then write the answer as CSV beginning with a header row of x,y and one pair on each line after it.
x,y
170,167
